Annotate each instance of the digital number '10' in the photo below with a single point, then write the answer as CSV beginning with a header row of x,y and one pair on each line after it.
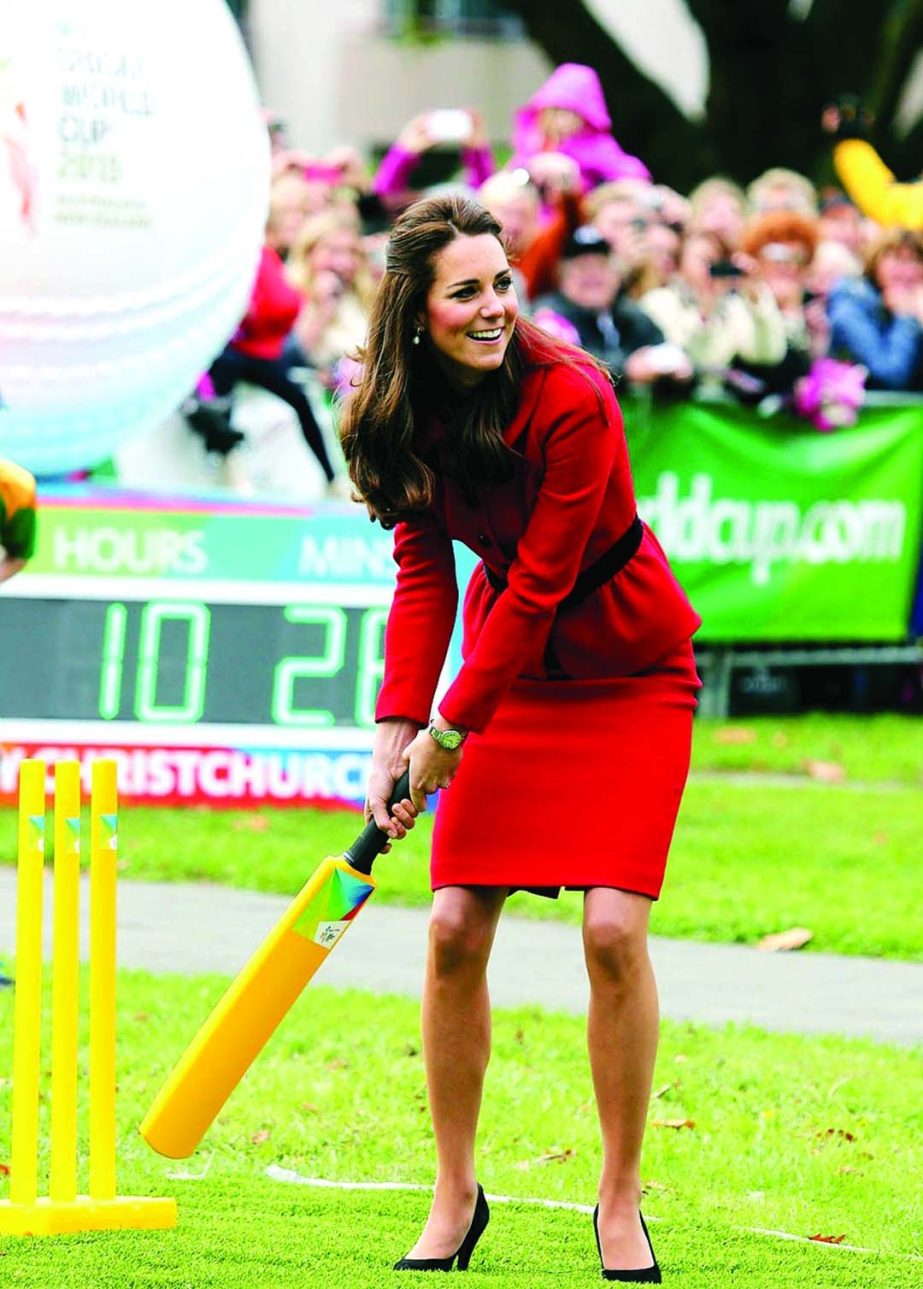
x,y
198,621
196,617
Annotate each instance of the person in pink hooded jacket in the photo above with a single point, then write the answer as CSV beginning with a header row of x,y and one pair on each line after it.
x,y
568,117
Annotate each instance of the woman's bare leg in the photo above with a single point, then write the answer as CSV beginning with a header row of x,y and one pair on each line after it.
x,y
622,1037
456,1049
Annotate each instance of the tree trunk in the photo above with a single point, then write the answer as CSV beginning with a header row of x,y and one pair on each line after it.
x,y
770,75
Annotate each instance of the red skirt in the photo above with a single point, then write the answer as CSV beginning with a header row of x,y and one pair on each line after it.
x,y
574,783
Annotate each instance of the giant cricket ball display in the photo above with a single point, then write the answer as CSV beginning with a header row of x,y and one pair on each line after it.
x,y
133,191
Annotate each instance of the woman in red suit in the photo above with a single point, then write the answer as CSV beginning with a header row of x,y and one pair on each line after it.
x,y
565,736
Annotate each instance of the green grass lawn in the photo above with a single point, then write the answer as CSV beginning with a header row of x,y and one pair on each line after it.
x,y
868,749
815,1136
748,859
751,856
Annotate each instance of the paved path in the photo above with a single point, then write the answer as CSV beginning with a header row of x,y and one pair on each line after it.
x,y
188,928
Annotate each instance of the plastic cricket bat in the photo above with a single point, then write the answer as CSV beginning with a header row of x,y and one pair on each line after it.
x,y
226,1045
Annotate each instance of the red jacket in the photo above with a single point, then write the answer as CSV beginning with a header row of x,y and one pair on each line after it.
x,y
274,306
537,532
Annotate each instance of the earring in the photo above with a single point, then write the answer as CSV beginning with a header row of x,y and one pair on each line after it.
x,y
417,334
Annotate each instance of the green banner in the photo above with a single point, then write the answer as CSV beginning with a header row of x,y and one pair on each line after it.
x,y
778,532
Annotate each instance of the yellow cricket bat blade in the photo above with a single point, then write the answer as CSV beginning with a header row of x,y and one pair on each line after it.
x,y
254,1004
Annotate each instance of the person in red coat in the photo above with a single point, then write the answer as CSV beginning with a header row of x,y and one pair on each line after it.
x,y
257,352
563,742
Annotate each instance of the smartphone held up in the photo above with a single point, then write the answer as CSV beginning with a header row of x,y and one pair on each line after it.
x,y
449,125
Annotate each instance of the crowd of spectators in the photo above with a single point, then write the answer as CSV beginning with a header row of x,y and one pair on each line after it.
x,y
727,291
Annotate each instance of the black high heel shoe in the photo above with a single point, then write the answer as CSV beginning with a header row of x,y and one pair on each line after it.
x,y
462,1255
645,1275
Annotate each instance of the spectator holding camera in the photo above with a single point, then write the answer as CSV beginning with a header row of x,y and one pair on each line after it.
x,y
780,246
462,128
322,177
608,324
659,262
328,265
717,311
289,207
718,205
877,320
643,223
620,212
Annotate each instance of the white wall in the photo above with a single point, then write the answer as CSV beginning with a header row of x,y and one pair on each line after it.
x,y
296,51
383,83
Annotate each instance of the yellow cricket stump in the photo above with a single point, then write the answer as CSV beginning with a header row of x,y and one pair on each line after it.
x,y
63,1210
66,1217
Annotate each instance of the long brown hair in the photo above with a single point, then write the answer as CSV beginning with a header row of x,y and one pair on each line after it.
x,y
378,422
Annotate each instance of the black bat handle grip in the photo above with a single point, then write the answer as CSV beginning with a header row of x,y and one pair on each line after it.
x,y
368,845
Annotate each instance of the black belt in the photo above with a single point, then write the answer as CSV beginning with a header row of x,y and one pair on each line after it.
x,y
600,572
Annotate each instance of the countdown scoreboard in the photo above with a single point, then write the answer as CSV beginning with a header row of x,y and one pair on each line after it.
x,y
221,653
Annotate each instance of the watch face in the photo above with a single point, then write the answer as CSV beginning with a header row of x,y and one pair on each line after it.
x,y
448,739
